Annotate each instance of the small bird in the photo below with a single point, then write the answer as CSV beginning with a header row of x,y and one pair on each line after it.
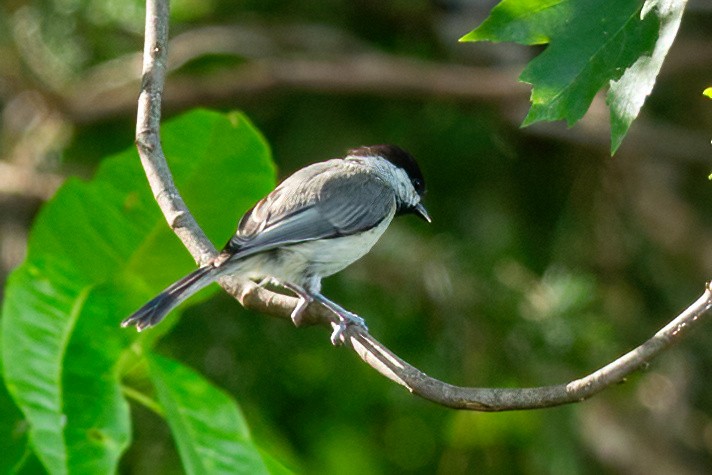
x,y
315,223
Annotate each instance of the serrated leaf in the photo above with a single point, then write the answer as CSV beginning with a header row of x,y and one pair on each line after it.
x,y
627,95
98,250
209,428
527,22
590,43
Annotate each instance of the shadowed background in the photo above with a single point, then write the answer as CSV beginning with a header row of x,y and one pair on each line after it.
x,y
545,260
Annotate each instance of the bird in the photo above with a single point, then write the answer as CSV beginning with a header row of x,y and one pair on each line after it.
x,y
315,223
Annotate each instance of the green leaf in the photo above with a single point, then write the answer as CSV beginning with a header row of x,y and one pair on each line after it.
x,y
707,92
627,95
96,252
13,432
208,426
591,42
527,22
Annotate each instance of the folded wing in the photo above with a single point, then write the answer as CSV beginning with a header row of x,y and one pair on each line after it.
x,y
322,201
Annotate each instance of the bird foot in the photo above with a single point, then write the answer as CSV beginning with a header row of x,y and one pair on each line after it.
x,y
345,320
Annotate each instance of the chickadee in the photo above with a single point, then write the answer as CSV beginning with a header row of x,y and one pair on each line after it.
x,y
314,224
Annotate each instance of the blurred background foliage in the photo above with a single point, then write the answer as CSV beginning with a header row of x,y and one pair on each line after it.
x,y
546,258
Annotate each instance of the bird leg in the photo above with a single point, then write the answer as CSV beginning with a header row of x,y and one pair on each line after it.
x,y
304,298
345,317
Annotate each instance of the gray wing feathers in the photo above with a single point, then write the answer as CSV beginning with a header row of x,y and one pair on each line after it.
x,y
289,197
356,204
321,201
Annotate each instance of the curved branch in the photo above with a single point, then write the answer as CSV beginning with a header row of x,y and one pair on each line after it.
x,y
506,399
148,139
366,346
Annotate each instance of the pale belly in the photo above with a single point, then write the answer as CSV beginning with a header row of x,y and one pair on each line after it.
x,y
306,263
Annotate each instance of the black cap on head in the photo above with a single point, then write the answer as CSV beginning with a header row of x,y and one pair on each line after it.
x,y
398,157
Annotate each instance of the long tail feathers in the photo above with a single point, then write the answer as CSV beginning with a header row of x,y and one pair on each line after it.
x,y
153,312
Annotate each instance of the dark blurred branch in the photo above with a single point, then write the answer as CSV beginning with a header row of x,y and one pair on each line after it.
x,y
110,89
362,73
309,57
367,347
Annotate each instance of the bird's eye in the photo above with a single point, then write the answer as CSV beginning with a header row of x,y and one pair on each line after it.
x,y
417,183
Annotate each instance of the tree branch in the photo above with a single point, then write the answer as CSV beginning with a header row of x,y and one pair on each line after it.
x,y
505,399
148,139
366,346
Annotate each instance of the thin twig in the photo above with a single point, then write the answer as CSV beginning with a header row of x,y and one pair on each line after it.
x,y
368,348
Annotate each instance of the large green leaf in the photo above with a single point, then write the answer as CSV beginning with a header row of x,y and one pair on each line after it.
x,y
590,44
209,429
96,252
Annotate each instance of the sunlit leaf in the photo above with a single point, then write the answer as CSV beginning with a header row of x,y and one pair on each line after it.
x,y
96,252
627,95
590,44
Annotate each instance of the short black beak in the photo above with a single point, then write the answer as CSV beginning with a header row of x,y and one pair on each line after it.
x,y
420,210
